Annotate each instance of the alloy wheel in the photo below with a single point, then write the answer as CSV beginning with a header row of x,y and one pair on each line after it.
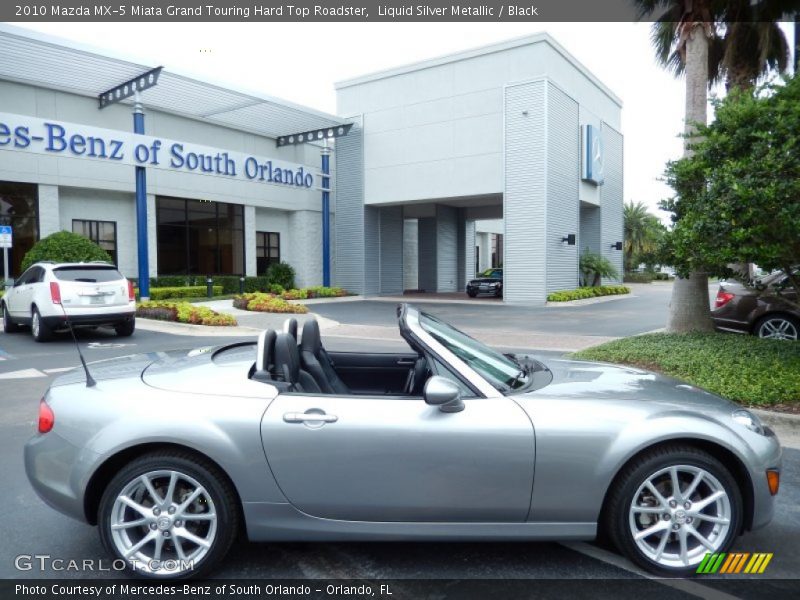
x,y
678,514
35,324
778,328
163,522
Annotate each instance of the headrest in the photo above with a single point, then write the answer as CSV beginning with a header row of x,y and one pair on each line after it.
x,y
287,358
311,341
265,350
290,327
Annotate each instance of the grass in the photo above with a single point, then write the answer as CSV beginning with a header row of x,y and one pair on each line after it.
x,y
743,368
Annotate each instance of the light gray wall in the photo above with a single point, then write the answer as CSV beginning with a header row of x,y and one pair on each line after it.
x,y
391,249
447,275
467,268
525,206
611,197
305,247
435,129
349,199
563,176
49,219
410,254
589,235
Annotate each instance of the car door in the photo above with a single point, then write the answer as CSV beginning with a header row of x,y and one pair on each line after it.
x,y
20,297
379,458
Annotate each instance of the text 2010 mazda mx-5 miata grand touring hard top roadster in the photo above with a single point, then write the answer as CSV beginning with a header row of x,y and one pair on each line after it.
x,y
174,456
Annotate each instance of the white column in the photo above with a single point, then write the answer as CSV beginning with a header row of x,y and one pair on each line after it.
x,y
49,214
250,266
305,247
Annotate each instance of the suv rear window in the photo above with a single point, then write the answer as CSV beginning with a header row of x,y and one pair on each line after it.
x,y
88,274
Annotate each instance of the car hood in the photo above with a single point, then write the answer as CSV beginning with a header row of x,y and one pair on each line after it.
x,y
607,382
486,280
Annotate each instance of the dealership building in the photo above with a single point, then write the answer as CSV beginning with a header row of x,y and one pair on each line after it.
x,y
507,155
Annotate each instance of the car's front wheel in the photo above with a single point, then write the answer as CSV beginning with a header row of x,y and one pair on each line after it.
x,y
472,293
8,325
671,507
778,327
169,516
39,329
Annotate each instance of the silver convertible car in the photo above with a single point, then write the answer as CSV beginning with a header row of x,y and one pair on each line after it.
x,y
176,455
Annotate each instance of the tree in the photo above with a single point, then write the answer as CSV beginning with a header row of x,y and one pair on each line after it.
x,y
643,234
594,267
738,195
64,246
685,42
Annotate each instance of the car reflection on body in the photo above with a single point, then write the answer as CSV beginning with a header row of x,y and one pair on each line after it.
x,y
489,281
172,456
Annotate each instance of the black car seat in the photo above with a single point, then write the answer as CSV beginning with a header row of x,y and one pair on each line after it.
x,y
315,360
290,327
265,355
287,366
415,383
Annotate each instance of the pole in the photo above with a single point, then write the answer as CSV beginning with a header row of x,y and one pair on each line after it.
x,y
141,209
326,215
6,274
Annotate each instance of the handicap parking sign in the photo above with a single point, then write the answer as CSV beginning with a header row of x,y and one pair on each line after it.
x,y
5,236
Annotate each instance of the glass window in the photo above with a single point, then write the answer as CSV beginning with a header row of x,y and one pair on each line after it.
x,y
102,233
19,208
499,370
199,237
268,250
89,274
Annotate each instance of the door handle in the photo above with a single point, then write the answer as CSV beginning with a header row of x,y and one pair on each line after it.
x,y
405,362
297,417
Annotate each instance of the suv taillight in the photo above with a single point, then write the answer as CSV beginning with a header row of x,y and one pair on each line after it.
x,y
46,417
55,293
722,299
131,295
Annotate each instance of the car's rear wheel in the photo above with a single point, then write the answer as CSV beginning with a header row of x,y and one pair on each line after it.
x,y
778,327
169,516
126,329
8,325
671,507
39,329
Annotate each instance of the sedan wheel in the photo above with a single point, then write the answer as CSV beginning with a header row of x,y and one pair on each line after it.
x,y
778,327
673,507
8,325
168,516
41,332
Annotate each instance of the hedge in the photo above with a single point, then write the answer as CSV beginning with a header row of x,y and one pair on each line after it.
x,y
742,368
267,303
638,277
182,312
582,293
188,291
229,283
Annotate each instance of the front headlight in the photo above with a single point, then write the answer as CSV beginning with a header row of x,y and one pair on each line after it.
x,y
749,420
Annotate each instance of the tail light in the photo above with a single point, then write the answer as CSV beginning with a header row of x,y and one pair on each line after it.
x,y
131,295
722,299
46,417
55,293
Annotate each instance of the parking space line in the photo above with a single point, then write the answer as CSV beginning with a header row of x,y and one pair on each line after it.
x,y
683,585
22,374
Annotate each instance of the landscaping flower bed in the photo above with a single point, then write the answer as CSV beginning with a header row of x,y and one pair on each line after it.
x,y
583,293
182,312
260,302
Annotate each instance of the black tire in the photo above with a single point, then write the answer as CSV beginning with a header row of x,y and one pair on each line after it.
x,y
617,510
216,484
39,329
126,329
472,293
8,325
789,325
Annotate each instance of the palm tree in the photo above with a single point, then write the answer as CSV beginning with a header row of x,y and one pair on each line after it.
x,y
642,232
685,41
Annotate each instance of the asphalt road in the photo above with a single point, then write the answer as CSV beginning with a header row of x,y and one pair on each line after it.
x,y
30,527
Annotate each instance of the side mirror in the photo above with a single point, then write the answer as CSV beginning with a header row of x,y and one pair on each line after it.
x,y
440,391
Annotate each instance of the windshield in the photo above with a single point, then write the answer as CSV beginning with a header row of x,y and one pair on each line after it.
x,y
499,370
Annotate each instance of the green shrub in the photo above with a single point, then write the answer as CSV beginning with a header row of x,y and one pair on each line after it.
x,y
267,303
595,266
184,312
644,277
661,276
300,294
65,246
319,291
742,368
193,291
583,293
281,274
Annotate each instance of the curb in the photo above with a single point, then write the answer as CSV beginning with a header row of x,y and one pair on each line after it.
x,y
587,301
771,417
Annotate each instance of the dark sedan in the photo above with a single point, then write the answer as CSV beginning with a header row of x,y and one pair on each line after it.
x,y
767,309
489,281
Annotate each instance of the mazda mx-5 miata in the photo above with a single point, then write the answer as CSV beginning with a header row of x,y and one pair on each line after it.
x,y
173,456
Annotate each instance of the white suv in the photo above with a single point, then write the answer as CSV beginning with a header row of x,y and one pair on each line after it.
x,y
89,294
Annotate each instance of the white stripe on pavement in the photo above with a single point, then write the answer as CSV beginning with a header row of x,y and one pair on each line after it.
x,y
58,370
23,374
